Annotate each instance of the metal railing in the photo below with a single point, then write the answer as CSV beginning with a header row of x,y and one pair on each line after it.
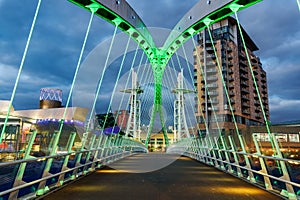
x,y
31,177
274,172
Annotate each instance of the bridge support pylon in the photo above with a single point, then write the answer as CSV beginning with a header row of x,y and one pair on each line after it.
x,y
180,125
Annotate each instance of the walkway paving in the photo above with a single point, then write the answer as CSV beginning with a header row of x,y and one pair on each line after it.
x,y
183,179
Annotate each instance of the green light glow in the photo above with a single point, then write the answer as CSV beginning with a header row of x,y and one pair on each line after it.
x,y
20,69
159,57
298,2
256,87
93,9
253,76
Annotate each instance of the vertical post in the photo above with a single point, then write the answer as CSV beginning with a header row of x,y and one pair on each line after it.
x,y
66,160
18,180
90,147
267,181
219,154
250,173
290,193
97,151
226,153
79,155
53,150
236,160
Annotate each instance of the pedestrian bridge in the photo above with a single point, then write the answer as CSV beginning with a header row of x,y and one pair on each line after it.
x,y
102,162
182,178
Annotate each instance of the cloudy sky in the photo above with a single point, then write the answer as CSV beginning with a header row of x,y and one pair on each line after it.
x,y
53,53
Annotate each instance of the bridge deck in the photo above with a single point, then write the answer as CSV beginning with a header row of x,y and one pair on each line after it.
x,y
183,179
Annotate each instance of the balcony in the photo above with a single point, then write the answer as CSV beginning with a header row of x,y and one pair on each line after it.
x,y
242,56
244,83
244,104
211,56
256,103
257,116
243,63
214,101
230,78
211,70
231,86
244,76
253,59
230,57
230,71
209,49
212,85
230,64
245,111
211,78
209,42
245,97
232,101
210,63
229,49
213,93
243,69
231,93
257,110
244,90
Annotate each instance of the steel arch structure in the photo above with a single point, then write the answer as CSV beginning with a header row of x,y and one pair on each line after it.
x,y
122,15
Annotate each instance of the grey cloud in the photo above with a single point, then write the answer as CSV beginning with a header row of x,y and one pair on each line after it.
x,y
61,25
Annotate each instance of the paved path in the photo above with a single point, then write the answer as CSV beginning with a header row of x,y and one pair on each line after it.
x,y
183,179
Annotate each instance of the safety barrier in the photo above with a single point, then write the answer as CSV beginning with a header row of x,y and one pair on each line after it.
x,y
34,176
275,173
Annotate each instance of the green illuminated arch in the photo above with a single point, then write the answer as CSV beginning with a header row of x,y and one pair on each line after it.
x,y
122,15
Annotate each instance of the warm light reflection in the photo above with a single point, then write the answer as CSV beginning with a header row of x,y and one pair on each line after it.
x,y
217,179
87,188
184,158
110,171
231,190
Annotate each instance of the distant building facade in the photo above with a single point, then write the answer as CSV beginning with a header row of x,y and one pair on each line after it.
x,y
121,117
212,104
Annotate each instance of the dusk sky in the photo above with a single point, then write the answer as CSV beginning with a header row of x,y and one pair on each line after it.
x,y
274,25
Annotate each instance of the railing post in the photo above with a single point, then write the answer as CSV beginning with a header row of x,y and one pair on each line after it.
x,y
103,147
226,153
42,188
78,158
250,173
97,152
290,193
66,160
214,161
267,181
236,160
90,147
222,165
18,180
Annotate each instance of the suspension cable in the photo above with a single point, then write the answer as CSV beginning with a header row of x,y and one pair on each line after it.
x,y
20,69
